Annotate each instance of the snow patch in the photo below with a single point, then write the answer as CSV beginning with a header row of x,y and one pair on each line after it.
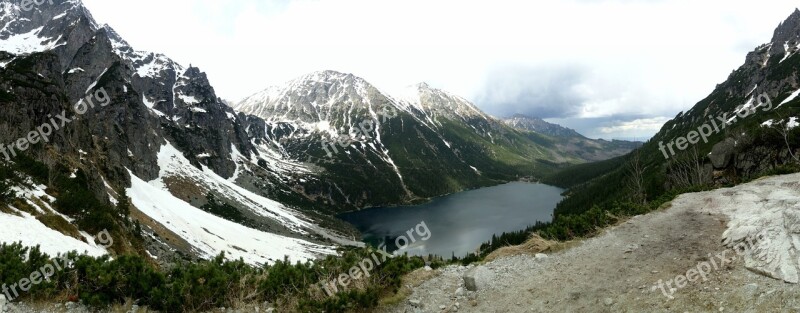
x,y
790,98
28,43
190,100
211,235
792,123
31,232
96,81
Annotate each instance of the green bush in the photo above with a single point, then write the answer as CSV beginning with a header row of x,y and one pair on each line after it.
x,y
205,285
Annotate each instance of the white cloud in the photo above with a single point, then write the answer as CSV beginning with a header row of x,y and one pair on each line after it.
x,y
652,58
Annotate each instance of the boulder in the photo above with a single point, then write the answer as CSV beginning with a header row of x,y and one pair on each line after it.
x,y
722,153
478,277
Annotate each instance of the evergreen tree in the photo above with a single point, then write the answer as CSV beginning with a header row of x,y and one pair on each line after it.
x,y
124,204
6,194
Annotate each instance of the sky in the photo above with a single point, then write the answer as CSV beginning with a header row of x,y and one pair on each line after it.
x,y
613,69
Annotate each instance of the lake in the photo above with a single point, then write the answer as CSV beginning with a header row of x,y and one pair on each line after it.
x,y
460,222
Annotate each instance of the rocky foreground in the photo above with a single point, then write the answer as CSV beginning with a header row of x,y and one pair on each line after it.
x,y
650,263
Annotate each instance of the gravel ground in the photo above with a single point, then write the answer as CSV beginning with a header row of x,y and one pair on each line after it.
x,y
45,308
619,270
78,308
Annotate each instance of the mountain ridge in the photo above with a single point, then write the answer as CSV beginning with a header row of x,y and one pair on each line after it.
x,y
592,150
405,132
540,125
160,107
751,144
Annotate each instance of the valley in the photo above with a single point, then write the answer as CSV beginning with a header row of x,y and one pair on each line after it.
x,y
249,205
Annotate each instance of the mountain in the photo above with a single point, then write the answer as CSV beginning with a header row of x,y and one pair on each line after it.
x,y
541,126
746,128
419,144
411,144
571,141
155,132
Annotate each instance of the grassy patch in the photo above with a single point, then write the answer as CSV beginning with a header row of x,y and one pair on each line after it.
x,y
24,206
61,225
5,209
534,245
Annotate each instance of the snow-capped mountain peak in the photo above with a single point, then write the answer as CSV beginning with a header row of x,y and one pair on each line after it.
x,y
440,103
330,96
315,97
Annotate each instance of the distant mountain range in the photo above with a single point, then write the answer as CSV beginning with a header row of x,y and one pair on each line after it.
x,y
539,125
572,141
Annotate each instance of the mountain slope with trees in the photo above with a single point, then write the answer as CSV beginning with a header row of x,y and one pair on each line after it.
x,y
763,140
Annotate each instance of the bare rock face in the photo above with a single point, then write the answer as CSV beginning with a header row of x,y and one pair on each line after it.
x,y
788,34
765,226
153,98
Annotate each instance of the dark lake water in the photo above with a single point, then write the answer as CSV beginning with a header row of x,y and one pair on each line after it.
x,y
460,222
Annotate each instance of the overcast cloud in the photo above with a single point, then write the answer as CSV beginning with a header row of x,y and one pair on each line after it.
x,y
608,68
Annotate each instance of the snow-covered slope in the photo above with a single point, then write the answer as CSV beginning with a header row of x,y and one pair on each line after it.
x,y
321,101
209,234
24,227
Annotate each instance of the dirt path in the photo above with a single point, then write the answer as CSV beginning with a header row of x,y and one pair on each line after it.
x,y
619,270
